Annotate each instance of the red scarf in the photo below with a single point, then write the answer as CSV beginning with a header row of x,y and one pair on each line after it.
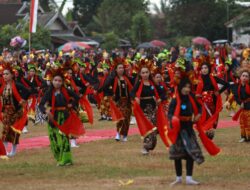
x,y
66,95
208,144
2,149
14,90
127,82
237,114
38,82
19,124
83,80
74,86
164,85
247,89
24,83
72,125
208,124
89,90
116,114
201,85
138,93
231,75
162,126
144,125
84,103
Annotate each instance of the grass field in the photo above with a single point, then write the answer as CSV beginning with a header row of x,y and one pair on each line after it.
x,y
101,165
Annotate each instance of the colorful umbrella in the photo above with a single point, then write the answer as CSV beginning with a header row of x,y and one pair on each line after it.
x,y
145,45
158,43
73,46
201,41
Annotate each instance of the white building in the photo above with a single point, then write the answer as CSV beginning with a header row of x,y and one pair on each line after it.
x,y
240,34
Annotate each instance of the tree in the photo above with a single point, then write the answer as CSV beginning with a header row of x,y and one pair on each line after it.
x,y
45,5
69,15
40,40
111,41
116,15
159,20
140,29
84,10
200,17
6,32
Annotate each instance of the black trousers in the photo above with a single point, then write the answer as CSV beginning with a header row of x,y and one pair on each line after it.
x,y
189,166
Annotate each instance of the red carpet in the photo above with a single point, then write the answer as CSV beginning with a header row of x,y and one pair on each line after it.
x,y
94,135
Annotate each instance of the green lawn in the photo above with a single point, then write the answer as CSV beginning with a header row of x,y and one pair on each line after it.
x,y
102,164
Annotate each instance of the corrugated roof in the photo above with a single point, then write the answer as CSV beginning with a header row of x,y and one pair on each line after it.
x,y
68,38
43,19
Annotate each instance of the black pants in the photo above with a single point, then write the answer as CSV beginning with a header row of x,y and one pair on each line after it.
x,y
189,166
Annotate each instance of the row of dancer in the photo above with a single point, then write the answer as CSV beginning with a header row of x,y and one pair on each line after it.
x,y
152,85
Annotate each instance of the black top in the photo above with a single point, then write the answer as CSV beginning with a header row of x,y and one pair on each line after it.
x,y
92,79
243,96
23,92
162,92
107,87
208,85
80,84
34,85
122,89
60,100
186,106
147,90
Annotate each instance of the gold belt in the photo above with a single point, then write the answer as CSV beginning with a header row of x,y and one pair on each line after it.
x,y
60,108
185,118
8,106
147,98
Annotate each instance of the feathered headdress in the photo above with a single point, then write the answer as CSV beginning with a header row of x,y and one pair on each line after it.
x,y
31,66
48,75
156,71
119,61
58,72
8,66
145,63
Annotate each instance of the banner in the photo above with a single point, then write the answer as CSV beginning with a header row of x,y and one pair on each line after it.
x,y
33,15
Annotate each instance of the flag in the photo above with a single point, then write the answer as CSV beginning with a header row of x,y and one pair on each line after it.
x,y
33,15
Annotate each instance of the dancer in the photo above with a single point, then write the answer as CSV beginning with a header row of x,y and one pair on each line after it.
x,y
61,101
208,94
161,89
13,97
145,94
121,87
185,107
242,96
105,101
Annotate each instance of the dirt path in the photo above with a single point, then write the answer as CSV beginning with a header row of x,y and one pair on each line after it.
x,y
94,135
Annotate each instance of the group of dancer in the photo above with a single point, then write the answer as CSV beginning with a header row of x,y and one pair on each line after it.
x,y
169,93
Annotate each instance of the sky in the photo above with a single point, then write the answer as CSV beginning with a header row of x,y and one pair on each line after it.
x,y
69,4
